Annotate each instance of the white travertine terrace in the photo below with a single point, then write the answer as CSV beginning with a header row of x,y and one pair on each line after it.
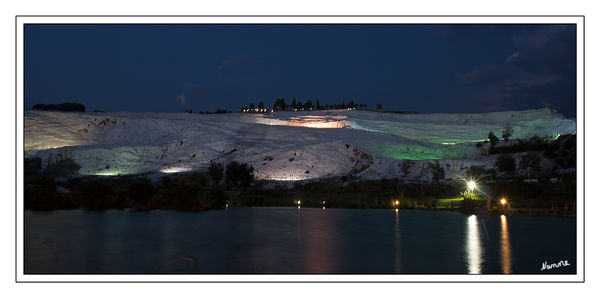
x,y
285,146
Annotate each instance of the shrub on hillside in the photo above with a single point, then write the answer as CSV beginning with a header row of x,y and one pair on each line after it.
x,y
62,167
505,163
491,172
506,133
493,139
437,171
563,151
534,143
475,171
530,160
239,174
215,171
406,165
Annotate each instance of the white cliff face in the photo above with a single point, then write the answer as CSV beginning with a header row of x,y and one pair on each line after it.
x,y
283,146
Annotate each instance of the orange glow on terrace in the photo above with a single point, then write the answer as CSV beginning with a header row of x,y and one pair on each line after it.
x,y
310,121
314,121
320,124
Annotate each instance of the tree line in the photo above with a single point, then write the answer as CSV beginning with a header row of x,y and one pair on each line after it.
x,y
218,111
298,105
63,107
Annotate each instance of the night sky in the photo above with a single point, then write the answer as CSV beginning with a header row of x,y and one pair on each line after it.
x,y
424,68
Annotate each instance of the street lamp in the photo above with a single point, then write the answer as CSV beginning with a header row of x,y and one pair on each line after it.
x,y
503,202
396,204
471,185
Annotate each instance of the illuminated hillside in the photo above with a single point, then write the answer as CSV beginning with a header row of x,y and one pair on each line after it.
x,y
281,146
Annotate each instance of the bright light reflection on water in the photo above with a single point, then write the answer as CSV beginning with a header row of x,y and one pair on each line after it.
x,y
505,250
473,248
397,243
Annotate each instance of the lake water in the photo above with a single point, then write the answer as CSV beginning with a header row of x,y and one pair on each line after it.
x,y
290,240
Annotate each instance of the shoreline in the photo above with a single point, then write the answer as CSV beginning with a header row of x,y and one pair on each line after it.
x,y
517,212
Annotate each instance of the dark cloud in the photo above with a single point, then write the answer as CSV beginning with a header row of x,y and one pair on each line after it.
x,y
538,37
513,56
553,51
539,73
231,62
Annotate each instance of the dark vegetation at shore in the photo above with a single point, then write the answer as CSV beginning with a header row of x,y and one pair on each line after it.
x,y
201,191
194,192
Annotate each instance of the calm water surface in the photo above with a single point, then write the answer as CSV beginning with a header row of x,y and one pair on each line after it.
x,y
288,240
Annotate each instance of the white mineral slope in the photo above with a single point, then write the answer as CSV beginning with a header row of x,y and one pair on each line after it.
x,y
463,128
282,146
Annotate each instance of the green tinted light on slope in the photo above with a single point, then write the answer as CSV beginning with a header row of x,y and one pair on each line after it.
x,y
416,152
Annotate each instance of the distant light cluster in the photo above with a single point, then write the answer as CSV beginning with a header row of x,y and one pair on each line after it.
x,y
256,110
